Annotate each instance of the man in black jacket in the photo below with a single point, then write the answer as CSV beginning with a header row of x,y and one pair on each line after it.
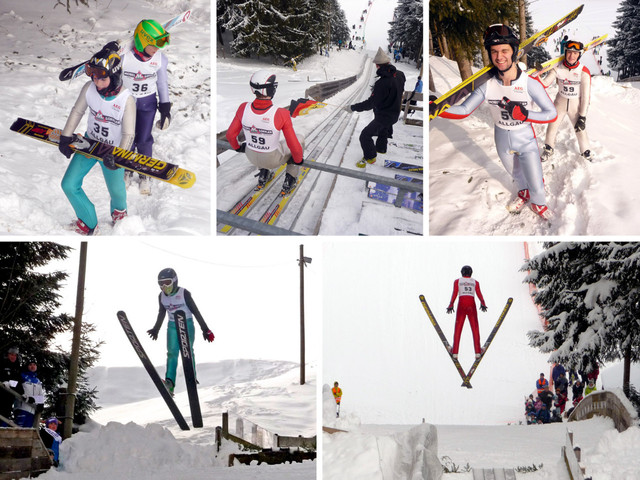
x,y
10,378
385,101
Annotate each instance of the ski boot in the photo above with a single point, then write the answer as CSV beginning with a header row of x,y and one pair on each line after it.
x,y
363,163
145,185
542,211
289,184
520,201
80,227
587,155
117,215
169,385
547,152
264,175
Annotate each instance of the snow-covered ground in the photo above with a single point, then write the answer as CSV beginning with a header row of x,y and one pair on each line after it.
x,y
135,436
395,373
469,187
348,211
36,45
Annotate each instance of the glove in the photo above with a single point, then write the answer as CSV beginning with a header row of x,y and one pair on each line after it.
x,y
449,309
153,333
109,161
347,108
293,160
242,147
517,111
31,400
581,123
64,146
483,308
165,116
113,46
208,335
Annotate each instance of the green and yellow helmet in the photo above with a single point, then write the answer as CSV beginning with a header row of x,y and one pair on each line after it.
x,y
150,32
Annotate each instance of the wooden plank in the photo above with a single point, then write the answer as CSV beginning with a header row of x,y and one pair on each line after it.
x,y
15,465
510,474
15,451
478,474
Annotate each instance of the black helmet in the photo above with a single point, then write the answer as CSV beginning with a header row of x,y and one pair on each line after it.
x,y
499,34
104,64
466,271
168,280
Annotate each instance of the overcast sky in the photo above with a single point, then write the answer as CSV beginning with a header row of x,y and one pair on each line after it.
x,y
247,290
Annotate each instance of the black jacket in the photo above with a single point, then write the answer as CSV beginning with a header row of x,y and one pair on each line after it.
x,y
386,98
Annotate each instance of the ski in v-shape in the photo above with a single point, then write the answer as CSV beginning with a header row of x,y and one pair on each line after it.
x,y
466,377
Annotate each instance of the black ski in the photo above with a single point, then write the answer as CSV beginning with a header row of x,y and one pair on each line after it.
x,y
135,343
189,368
473,368
404,166
444,341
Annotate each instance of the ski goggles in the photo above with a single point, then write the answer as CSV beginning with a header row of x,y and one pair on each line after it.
x,y
96,72
165,282
162,40
498,30
574,46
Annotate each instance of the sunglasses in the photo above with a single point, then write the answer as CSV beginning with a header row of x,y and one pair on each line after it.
x,y
97,72
574,46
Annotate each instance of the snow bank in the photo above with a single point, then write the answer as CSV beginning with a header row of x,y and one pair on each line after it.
x,y
615,456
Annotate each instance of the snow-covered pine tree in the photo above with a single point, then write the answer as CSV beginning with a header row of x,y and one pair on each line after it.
x,y
589,295
624,49
536,54
407,28
253,23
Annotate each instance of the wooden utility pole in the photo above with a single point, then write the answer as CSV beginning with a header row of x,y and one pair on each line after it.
x,y
75,346
302,262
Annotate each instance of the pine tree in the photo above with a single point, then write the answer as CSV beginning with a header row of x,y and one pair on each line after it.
x,y
589,294
537,55
407,28
624,48
29,300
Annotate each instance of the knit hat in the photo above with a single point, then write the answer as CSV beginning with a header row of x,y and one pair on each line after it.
x,y
13,350
381,57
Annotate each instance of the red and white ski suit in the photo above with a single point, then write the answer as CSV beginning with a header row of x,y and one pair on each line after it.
x,y
466,288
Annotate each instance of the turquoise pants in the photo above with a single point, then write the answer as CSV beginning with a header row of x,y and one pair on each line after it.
x,y
72,187
173,348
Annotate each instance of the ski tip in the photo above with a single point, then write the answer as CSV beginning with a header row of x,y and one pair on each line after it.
x,y
121,314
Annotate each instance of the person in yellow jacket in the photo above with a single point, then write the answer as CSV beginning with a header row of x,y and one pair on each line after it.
x,y
337,395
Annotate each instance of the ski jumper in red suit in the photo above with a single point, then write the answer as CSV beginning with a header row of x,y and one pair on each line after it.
x,y
466,288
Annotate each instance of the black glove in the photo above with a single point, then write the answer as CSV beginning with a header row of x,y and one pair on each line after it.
x,y
113,46
292,161
517,111
64,146
109,161
208,335
31,400
242,147
449,309
581,123
165,115
483,308
153,333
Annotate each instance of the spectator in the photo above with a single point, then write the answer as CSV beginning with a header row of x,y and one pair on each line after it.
x,y
33,402
561,384
537,405
10,378
543,415
577,390
52,439
556,371
591,387
547,397
529,410
541,383
561,401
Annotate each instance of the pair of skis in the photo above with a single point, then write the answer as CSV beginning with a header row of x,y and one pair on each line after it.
x,y
466,377
187,364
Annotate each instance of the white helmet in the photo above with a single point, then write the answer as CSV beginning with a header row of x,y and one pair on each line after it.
x,y
264,83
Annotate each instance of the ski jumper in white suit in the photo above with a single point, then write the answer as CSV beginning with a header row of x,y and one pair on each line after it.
x,y
515,140
574,94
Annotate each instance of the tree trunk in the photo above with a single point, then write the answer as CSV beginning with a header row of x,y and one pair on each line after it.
x,y
523,26
464,64
432,85
626,375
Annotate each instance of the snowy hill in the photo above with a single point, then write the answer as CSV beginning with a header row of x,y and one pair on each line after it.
x,y
469,188
37,44
134,435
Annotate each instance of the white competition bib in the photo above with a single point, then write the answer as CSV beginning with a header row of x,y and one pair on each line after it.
x,y
516,92
569,81
105,118
141,78
466,287
260,129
